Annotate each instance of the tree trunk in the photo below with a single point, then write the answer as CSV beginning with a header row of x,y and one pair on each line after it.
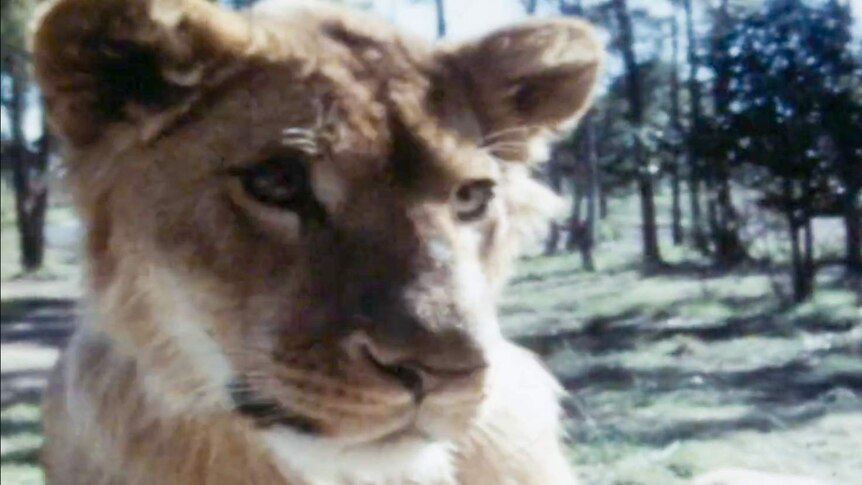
x,y
676,205
698,237
676,126
810,269
555,182
588,239
853,232
31,191
441,18
711,212
651,252
552,242
603,203
729,249
797,266
573,240
801,250
581,235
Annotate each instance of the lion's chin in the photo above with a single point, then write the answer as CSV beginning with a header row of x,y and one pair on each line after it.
x,y
405,455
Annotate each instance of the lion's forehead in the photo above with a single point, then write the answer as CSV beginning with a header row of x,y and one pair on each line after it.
x,y
358,91
348,140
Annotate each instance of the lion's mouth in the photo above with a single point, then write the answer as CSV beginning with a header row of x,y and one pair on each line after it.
x,y
266,412
410,432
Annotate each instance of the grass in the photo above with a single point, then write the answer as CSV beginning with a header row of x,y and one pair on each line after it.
x,y
677,374
19,445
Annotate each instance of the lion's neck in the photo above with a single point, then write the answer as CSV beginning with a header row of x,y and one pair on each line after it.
x,y
130,439
325,463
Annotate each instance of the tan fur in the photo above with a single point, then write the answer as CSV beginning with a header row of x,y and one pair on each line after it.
x,y
229,340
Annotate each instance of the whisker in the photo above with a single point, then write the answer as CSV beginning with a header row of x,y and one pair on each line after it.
x,y
514,149
500,133
505,144
296,130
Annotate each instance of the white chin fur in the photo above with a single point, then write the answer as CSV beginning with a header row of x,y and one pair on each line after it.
x,y
318,461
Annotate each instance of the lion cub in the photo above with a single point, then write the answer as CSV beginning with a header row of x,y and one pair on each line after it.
x,y
298,225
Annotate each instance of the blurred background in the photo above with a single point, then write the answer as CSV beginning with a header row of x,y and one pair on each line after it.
x,y
702,300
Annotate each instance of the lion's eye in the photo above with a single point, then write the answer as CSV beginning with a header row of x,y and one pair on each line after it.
x,y
277,182
471,199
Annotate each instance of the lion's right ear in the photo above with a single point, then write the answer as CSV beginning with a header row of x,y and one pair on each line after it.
x,y
106,62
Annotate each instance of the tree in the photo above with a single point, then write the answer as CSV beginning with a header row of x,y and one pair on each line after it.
x,y
695,167
29,162
790,70
842,116
724,220
590,160
584,171
555,173
843,119
651,251
440,8
674,137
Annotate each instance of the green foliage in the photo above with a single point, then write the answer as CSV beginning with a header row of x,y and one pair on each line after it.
x,y
14,19
792,77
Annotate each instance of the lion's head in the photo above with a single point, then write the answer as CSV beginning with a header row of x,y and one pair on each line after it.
x,y
298,213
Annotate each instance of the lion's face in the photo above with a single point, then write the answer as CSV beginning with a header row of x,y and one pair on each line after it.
x,y
326,208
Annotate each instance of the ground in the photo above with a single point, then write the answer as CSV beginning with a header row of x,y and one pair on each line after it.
x,y
684,372
670,375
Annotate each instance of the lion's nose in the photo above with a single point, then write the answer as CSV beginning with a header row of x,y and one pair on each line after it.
x,y
429,372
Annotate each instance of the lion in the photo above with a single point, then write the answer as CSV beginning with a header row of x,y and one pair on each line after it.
x,y
298,226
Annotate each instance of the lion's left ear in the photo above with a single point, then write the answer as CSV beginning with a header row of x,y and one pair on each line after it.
x,y
527,80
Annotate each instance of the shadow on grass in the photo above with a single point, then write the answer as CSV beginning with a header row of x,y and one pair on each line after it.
x,y
756,316
776,397
618,401
792,382
688,269
40,321
704,429
22,387
544,276
20,439
29,456
11,427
